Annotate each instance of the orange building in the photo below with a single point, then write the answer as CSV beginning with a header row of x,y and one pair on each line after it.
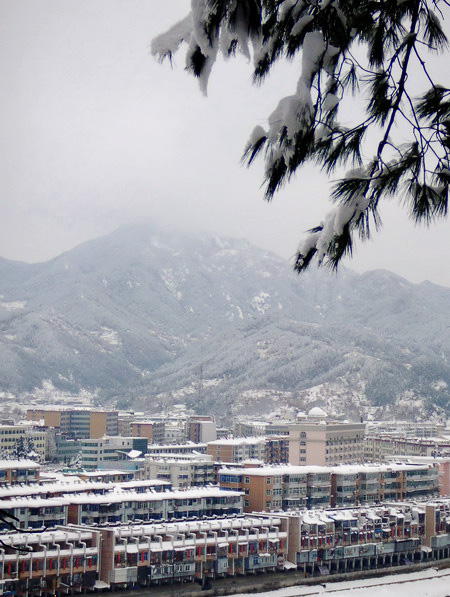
x,y
271,488
51,418
78,423
152,430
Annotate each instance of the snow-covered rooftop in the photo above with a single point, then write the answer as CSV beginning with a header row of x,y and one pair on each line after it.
x,y
116,496
19,489
238,441
189,526
343,469
287,469
18,464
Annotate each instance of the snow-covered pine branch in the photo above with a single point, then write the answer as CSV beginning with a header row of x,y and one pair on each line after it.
x,y
326,37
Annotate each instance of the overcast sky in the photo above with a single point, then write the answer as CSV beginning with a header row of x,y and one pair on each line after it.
x,y
95,134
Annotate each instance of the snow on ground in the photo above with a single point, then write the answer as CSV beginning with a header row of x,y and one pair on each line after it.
x,y
110,336
13,305
424,583
261,302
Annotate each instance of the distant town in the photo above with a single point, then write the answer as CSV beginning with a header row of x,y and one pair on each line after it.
x,y
96,500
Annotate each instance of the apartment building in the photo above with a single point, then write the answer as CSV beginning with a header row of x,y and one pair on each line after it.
x,y
65,449
201,429
52,562
139,507
379,448
243,427
172,449
121,506
192,471
59,489
276,449
237,449
110,451
319,441
154,431
78,423
19,471
406,428
273,488
440,463
10,434
316,542
350,540
107,476
90,559
365,484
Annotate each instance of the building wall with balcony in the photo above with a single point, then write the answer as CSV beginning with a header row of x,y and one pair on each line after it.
x,y
317,542
36,512
276,488
237,449
19,471
181,472
320,487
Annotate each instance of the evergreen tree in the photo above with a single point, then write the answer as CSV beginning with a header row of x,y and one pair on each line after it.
x,y
395,36
31,452
24,448
19,450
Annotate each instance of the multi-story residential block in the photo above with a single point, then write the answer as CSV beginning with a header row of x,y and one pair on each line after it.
x,y
51,562
366,484
78,423
174,431
349,540
110,450
154,431
267,488
86,487
120,507
237,449
184,448
273,488
87,559
223,432
19,471
50,417
318,441
193,550
243,427
406,428
441,463
10,434
201,429
195,471
271,449
315,542
107,476
139,507
379,448
276,449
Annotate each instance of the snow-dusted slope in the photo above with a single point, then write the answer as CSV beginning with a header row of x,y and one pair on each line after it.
x,y
145,313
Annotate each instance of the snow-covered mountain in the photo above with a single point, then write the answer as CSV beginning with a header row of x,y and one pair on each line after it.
x,y
150,318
